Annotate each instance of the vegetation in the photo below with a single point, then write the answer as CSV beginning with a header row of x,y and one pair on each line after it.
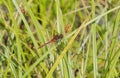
x,y
59,38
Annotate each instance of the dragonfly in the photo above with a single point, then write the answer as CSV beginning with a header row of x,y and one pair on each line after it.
x,y
55,38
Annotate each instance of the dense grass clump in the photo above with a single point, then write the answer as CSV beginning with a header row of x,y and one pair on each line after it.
x,y
59,38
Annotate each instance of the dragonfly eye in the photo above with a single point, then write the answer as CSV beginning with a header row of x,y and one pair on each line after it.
x,y
58,37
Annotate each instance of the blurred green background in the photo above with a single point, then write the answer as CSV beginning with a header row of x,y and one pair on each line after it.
x,y
93,52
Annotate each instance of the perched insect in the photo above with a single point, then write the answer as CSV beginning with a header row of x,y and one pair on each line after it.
x,y
55,38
